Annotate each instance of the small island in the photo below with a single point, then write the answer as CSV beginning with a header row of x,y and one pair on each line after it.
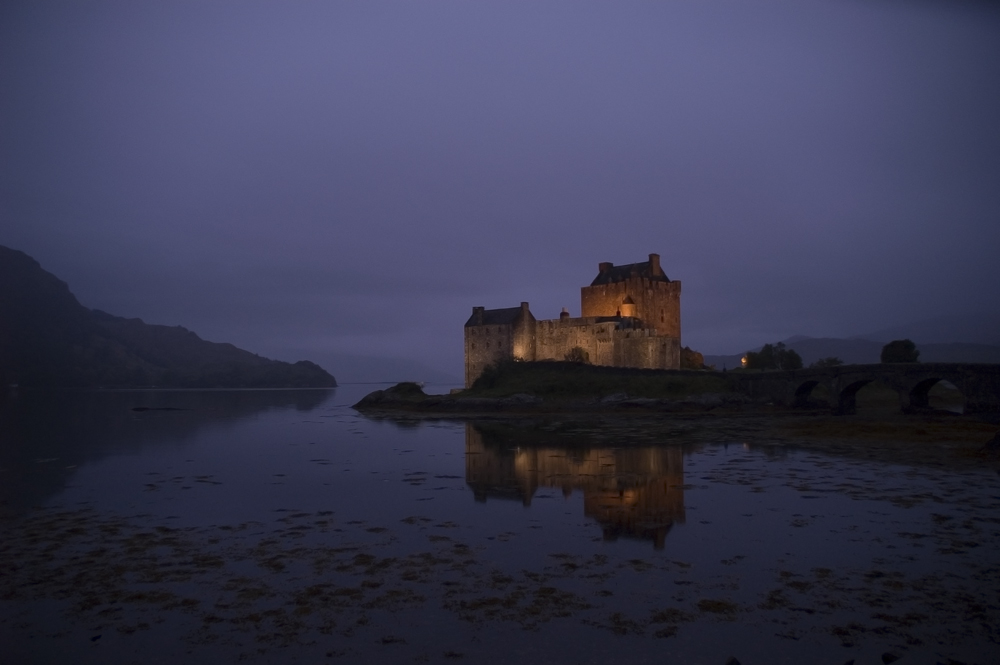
x,y
565,387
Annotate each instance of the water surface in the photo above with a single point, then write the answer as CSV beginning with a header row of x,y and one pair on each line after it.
x,y
282,526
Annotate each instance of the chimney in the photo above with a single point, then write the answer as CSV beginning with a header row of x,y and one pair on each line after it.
x,y
477,315
605,266
654,265
564,314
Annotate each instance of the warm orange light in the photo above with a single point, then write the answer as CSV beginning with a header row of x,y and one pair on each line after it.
x,y
743,361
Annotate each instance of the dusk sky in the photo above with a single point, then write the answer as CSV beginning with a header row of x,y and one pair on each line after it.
x,y
320,180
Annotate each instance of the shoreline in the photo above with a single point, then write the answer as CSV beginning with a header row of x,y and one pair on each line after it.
x,y
934,438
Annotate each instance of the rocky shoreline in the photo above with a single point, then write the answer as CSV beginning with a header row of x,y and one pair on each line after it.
x,y
410,398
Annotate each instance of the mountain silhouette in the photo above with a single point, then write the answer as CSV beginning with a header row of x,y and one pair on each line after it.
x,y
48,339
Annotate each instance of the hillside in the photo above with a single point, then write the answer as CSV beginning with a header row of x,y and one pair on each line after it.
x,y
48,339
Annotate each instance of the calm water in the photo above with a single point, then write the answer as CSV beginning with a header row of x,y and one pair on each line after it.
x,y
285,527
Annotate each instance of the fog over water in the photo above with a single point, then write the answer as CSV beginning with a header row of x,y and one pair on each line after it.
x,y
325,181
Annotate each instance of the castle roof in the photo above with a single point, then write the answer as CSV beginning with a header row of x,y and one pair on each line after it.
x,y
610,273
494,317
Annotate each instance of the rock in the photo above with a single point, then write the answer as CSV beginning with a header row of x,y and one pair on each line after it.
x,y
406,390
371,399
889,658
617,397
405,393
732,661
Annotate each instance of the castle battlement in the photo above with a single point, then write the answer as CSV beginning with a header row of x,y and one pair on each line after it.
x,y
630,318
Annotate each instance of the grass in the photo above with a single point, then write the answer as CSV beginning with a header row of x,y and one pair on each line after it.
x,y
570,380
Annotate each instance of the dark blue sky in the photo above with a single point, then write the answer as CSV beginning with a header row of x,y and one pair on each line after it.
x,y
319,180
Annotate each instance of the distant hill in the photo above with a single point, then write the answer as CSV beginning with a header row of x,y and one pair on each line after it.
x,y
982,328
863,351
48,339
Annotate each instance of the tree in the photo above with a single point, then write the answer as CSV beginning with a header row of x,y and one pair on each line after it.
x,y
774,356
691,359
578,355
900,351
832,361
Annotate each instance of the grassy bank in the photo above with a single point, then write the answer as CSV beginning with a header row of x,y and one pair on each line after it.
x,y
577,380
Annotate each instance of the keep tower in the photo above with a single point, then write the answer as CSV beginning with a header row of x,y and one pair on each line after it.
x,y
641,290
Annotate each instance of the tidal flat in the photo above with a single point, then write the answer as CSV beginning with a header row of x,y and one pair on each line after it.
x,y
285,527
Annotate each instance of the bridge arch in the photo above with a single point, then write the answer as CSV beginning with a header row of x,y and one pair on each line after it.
x,y
921,393
919,398
804,393
847,400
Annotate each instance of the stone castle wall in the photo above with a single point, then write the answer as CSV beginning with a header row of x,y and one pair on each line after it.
x,y
556,337
645,349
486,345
604,342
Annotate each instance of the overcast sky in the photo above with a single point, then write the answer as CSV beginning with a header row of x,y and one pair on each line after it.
x,y
315,180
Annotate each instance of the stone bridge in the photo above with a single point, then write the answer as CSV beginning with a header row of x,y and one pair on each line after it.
x,y
978,383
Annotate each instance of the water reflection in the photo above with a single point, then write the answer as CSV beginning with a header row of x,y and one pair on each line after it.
x,y
46,435
631,492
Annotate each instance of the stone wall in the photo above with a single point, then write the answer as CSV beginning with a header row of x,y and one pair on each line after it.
x,y
643,349
484,346
555,337
604,342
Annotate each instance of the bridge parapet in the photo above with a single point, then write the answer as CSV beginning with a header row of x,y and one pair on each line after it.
x,y
978,382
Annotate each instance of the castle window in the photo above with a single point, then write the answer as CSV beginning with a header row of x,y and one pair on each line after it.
x,y
473,345
661,316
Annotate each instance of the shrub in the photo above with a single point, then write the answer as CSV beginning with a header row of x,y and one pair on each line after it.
x,y
577,355
691,359
774,356
900,351
832,361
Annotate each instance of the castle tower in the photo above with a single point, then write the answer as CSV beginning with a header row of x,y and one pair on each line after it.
x,y
655,299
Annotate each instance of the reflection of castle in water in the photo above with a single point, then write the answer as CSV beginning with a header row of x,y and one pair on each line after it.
x,y
631,492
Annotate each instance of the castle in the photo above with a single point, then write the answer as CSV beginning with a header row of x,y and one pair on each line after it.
x,y
630,317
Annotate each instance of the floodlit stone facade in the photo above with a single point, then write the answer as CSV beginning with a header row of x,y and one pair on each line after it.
x,y
631,317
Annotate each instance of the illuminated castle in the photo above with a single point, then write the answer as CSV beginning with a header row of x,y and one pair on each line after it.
x,y
631,317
